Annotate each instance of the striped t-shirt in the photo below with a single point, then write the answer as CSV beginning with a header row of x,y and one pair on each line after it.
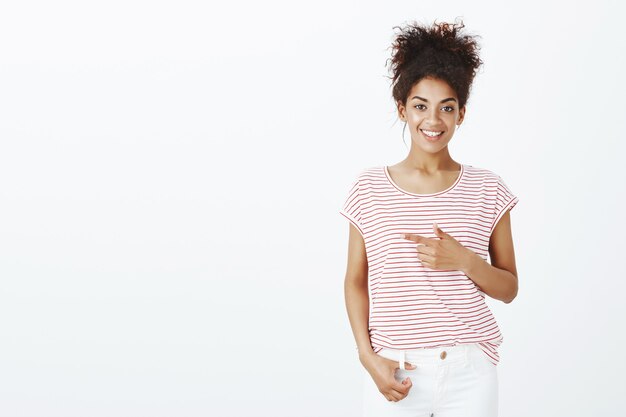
x,y
411,305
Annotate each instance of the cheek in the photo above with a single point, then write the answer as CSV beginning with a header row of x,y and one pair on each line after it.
x,y
415,117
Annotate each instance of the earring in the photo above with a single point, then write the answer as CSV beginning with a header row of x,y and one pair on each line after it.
x,y
403,128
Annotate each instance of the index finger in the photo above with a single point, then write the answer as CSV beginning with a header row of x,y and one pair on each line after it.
x,y
415,238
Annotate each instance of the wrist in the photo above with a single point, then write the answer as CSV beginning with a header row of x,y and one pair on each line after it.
x,y
471,261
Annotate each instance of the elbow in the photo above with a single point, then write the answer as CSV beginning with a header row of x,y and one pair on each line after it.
x,y
512,295
508,300
355,281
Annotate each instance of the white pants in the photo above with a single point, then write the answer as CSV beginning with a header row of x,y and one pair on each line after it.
x,y
461,382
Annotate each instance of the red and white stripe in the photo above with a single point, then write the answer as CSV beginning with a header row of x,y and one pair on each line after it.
x,y
413,306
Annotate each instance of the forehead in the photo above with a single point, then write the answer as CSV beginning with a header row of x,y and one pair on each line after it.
x,y
432,88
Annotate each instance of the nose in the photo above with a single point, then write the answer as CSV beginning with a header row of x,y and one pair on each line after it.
x,y
432,116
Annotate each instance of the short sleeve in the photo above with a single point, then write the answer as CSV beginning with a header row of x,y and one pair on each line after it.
x,y
351,208
505,200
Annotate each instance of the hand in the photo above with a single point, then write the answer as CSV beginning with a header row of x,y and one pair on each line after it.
x,y
443,252
383,372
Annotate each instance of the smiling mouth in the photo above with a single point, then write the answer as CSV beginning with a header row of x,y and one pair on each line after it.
x,y
432,134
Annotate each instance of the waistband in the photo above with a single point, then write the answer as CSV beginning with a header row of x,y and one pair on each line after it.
x,y
430,356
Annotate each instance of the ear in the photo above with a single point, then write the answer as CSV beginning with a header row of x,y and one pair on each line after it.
x,y
401,111
461,115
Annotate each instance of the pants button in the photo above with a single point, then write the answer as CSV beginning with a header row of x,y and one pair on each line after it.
x,y
443,354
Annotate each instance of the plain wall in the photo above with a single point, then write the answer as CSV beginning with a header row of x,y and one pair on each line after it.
x,y
171,175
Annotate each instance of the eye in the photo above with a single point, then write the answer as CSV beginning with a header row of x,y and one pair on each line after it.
x,y
448,107
417,106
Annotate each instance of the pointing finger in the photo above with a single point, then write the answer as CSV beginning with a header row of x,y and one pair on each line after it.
x,y
413,237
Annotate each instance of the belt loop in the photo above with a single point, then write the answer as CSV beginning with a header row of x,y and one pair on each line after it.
x,y
401,361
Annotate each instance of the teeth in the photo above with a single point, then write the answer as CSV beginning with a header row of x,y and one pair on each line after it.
x,y
431,133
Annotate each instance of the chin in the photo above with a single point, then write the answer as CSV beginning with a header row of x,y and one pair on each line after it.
x,y
431,147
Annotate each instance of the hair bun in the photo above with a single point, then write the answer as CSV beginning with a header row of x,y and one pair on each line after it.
x,y
440,51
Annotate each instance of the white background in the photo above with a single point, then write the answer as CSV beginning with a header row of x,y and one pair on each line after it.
x,y
170,180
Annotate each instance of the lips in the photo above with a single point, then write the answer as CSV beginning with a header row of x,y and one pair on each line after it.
x,y
431,138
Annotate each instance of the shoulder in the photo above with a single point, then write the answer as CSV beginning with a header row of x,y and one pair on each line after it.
x,y
482,177
368,174
367,180
481,172
493,184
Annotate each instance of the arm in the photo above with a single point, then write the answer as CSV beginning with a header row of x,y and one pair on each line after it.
x,y
498,280
356,294
381,369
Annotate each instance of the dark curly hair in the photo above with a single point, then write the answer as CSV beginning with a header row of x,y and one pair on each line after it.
x,y
439,51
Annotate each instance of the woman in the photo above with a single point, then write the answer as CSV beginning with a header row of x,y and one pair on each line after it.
x,y
420,234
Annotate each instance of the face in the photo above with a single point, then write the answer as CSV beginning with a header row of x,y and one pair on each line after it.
x,y
432,114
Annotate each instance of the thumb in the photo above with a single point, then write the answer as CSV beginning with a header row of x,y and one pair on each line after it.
x,y
408,365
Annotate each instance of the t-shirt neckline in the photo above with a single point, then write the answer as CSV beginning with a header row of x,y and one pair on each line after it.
x,y
458,179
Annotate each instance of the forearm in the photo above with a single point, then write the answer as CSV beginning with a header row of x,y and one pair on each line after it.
x,y
495,282
357,306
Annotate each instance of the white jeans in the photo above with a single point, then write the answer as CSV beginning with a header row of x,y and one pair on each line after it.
x,y
461,382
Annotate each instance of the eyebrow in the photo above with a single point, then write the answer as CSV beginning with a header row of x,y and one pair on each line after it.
x,y
442,101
